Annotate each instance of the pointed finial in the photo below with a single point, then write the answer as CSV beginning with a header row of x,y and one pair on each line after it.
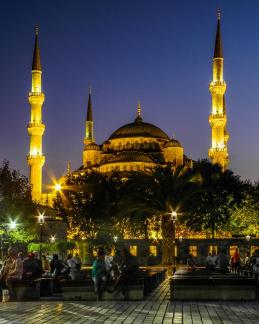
x,y
139,109
37,29
90,90
173,135
218,14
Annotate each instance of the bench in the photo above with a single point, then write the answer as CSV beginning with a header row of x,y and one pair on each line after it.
x,y
27,290
84,289
212,286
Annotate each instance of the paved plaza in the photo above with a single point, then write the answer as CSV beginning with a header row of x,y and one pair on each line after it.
x,y
155,309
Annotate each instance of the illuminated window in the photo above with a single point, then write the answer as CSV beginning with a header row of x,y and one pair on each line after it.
x,y
213,248
153,250
175,251
193,250
232,249
133,249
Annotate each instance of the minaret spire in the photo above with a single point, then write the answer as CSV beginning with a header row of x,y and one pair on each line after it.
x,y
89,123
218,51
89,116
36,65
36,128
218,153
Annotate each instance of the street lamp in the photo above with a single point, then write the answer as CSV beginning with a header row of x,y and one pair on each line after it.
x,y
41,222
115,239
58,187
52,238
174,219
12,225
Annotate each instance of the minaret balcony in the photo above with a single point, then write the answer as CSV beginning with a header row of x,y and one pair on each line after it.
x,y
217,87
218,149
37,159
36,98
36,128
219,119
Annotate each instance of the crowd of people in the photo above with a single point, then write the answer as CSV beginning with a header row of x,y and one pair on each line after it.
x,y
111,273
17,267
224,262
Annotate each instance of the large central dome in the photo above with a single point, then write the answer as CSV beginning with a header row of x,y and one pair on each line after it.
x,y
139,129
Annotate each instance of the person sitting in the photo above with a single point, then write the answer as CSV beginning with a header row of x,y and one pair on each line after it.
x,y
77,259
99,273
256,266
191,263
76,273
31,268
45,264
12,270
223,261
129,272
71,262
209,262
247,261
56,266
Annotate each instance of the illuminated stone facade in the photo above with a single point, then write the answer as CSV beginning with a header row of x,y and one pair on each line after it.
x,y
218,153
137,146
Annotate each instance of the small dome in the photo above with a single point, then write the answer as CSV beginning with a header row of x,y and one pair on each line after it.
x,y
139,129
92,146
173,143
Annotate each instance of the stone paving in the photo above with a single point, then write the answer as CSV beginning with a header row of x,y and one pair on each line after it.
x,y
155,309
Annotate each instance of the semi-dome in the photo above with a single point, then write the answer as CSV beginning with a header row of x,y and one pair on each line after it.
x,y
173,143
139,129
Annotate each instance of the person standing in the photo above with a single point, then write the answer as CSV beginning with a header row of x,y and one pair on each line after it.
x,y
99,274
235,261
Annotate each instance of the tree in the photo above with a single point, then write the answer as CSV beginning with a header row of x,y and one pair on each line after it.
x,y
212,206
244,219
16,204
89,202
156,195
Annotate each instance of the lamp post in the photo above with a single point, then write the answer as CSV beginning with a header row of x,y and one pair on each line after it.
x,y
174,219
41,222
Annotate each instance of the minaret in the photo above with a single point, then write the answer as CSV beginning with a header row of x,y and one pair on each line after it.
x,y
35,127
89,124
218,153
91,151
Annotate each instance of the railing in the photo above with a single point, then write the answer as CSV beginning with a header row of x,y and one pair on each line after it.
x,y
36,94
35,125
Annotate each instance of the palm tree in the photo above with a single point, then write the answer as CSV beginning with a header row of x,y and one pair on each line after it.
x,y
159,193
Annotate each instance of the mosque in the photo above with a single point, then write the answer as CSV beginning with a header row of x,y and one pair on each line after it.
x,y
133,147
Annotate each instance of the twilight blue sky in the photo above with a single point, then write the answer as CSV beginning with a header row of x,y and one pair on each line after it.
x,y
156,52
